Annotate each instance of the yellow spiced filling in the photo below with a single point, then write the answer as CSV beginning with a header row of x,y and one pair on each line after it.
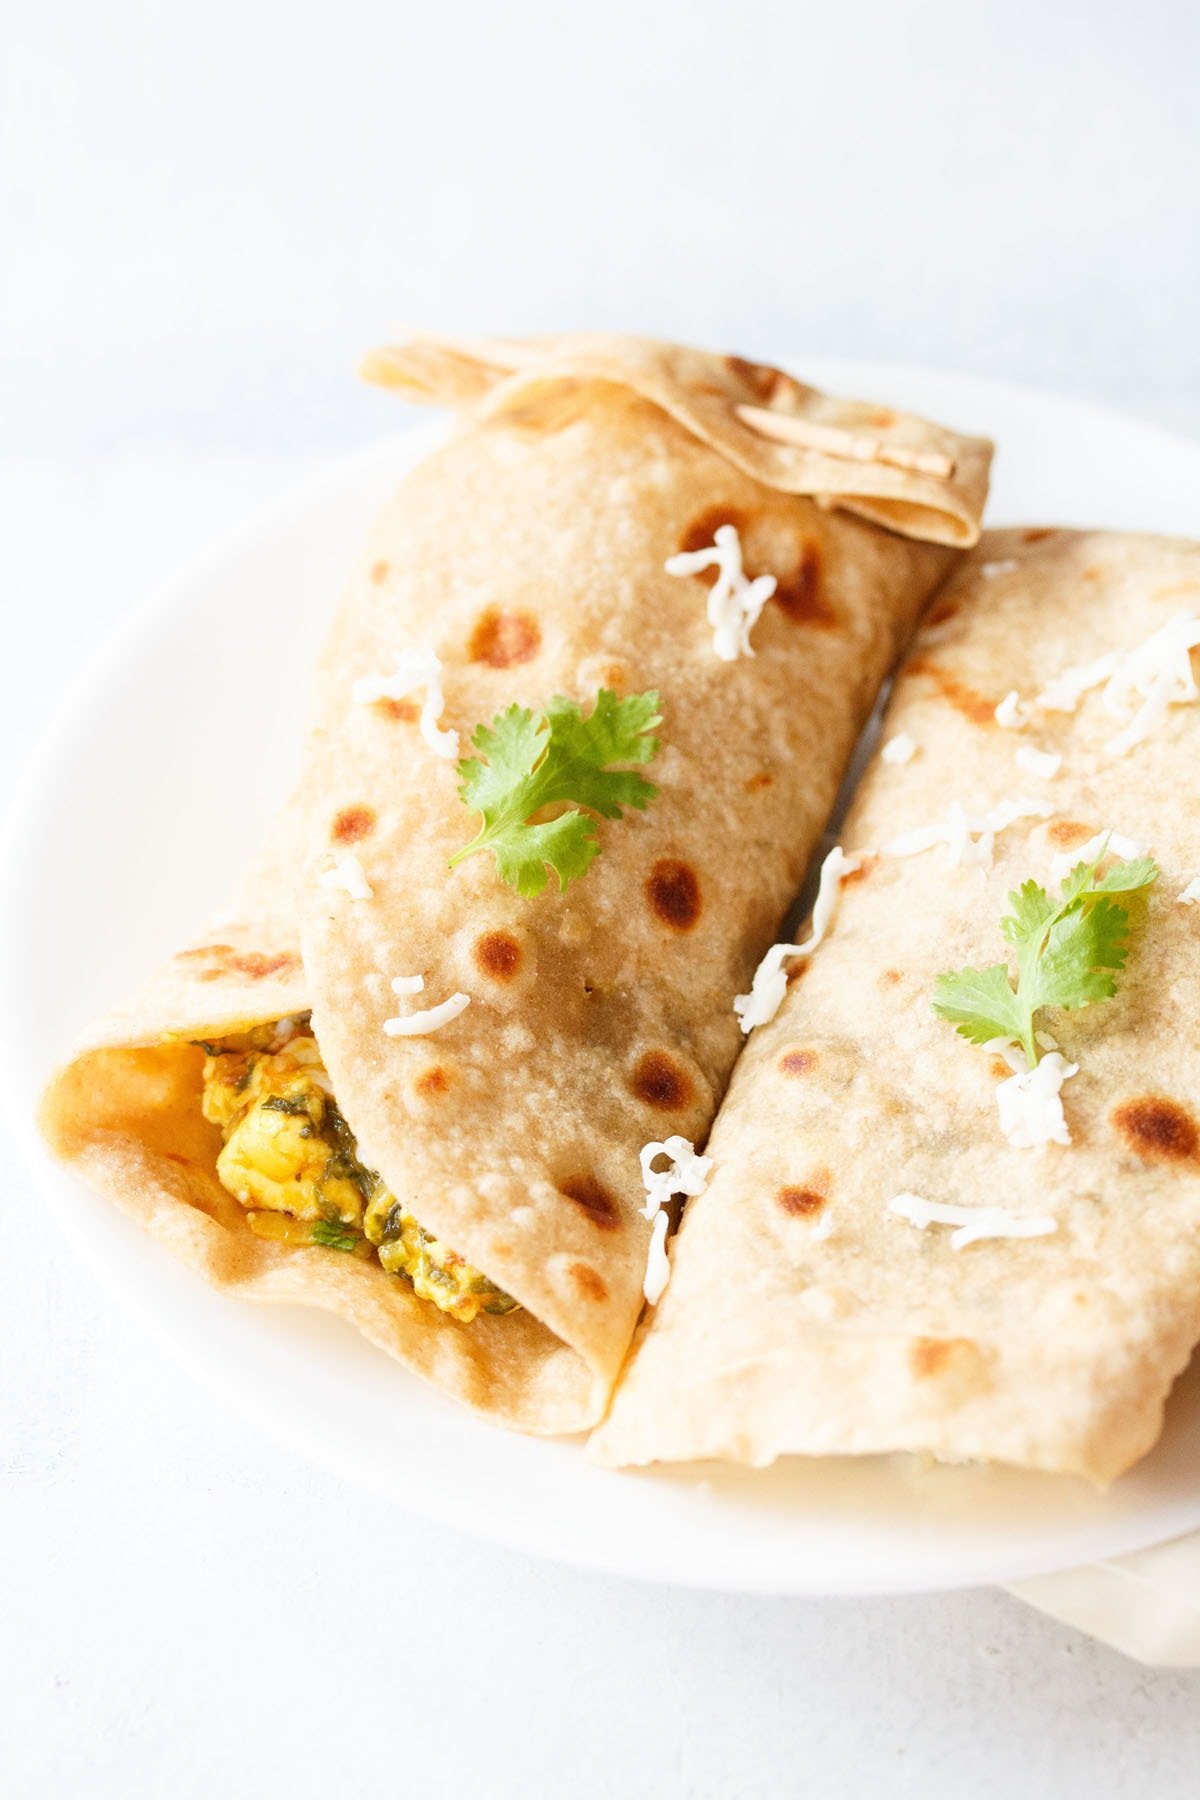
x,y
291,1160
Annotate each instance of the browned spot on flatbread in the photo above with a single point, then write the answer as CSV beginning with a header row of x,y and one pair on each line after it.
x,y
1000,1068
929,1356
756,783
673,891
503,639
209,950
1158,1129
881,418
497,954
700,532
403,711
859,872
433,1080
965,700
251,963
798,968
184,1162
800,1202
380,572
660,1082
758,377
890,977
798,1062
800,592
589,1283
942,613
1068,833
593,1200
352,824
1038,533
258,967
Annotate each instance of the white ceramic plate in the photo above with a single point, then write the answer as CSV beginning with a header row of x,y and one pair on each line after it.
x,y
126,834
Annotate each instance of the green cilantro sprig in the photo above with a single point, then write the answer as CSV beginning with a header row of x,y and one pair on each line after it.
x,y
1069,953
529,762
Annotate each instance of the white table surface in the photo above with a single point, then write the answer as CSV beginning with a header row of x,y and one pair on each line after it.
x,y
205,215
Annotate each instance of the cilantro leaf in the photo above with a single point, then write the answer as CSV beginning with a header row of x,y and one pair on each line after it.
x,y
1069,954
980,1002
529,762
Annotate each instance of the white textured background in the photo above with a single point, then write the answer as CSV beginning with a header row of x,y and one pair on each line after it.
x,y
207,212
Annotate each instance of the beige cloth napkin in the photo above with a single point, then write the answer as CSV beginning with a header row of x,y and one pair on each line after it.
x,y
1146,1605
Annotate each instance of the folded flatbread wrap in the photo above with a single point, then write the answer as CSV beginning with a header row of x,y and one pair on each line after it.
x,y
807,1313
469,1197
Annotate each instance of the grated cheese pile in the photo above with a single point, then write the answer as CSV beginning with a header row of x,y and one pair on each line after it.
x,y
769,985
686,1173
348,873
969,837
1045,763
414,669
900,749
1030,1101
974,1223
1157,673
420,1024
734,602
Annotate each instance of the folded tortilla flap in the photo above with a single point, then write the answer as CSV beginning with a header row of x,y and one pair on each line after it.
x,y
914,477
827,1292
533,564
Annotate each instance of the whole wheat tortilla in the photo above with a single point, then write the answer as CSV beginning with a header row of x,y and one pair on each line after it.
x,y
1055,1352
528,553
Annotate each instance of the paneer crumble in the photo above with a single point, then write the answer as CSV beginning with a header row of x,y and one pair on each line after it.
x,y
291,1160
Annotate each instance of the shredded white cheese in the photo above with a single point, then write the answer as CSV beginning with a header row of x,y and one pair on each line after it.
x,y
686,1173
769,985
900,749
969,837
1159,673
1011,713
974,1223
420,1024
348,873
658,1264
734,602
1191,893
1126,848
1006,565
408,984
1064,693
1030,1102
414,669
1045,763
